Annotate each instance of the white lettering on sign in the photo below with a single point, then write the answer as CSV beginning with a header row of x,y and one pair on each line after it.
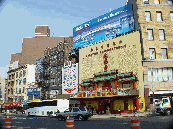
x,y
111,15
82,27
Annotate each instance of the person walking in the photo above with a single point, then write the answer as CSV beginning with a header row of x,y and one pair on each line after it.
x,y
134,109
119,110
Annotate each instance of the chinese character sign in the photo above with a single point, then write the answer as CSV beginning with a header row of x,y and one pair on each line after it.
x,y
70,79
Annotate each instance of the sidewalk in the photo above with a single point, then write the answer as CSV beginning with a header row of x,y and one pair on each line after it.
x,y
139,114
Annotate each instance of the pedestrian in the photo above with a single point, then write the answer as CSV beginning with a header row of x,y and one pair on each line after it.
x,y
134,109
119,110
92,109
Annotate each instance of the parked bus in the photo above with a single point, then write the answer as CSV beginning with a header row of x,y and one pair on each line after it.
x,y
47,107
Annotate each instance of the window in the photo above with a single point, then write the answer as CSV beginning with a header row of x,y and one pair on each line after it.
x,y
52,57
159,16
24,72
12,91
170,73
54,70
152,53
23,89
16,82
156,1
62,53
19,90
149,75
75,109
55,57
19,82
161,34
15,90
165,74
148,16
15,98
146,1
24,81
16,74
22,98
8,91
59,55
171,15
164,53
160,75
150,34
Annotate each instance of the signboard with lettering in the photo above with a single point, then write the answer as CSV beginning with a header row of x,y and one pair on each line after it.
x,y
106,26
70,79
33,91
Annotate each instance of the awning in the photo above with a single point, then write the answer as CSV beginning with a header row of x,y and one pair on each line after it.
x,y
12,104
6,104
16,104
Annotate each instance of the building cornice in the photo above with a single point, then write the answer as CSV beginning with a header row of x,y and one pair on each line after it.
x,y
156,60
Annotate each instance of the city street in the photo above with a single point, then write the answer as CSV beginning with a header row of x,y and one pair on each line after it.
x,y
23,122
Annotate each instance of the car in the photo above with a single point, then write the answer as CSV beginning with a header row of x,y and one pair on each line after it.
x,y
79,113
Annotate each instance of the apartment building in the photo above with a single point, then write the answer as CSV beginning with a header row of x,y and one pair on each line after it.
x,y
154,18
18,80
2,90
33,47
53,61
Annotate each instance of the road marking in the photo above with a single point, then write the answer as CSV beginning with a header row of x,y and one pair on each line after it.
x,y
125,123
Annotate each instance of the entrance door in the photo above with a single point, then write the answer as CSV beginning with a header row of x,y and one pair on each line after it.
x,y
106,86
106,106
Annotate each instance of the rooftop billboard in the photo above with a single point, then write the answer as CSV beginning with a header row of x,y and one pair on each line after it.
x,y
106,26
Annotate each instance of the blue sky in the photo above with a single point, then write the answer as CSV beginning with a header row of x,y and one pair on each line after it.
x,y
19,18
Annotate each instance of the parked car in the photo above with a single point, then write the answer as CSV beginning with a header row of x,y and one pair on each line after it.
x,y
80,113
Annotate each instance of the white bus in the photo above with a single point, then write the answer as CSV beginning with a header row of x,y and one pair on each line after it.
x,y
47,107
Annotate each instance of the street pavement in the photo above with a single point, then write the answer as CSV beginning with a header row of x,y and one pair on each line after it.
x,y
104,122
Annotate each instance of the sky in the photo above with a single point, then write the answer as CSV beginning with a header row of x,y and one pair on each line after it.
x,y
18,19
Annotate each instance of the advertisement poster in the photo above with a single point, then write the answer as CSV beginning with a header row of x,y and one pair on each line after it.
x,y
33,91
106,26
70,79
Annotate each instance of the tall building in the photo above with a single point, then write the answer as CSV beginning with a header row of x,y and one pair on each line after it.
x,y
2,90
53,61
154,18
33,48
18,81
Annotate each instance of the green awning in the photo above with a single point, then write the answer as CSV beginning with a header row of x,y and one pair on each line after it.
x,y
90,79
104,78
124,74
84,84
108,72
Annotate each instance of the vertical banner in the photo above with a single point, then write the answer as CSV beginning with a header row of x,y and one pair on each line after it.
x,y
70,79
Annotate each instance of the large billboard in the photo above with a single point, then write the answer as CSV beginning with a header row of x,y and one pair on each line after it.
x,y
106,26
70,79
33,91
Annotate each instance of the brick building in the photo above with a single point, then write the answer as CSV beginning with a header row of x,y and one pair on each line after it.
x,y
53,61
154,18
33,48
